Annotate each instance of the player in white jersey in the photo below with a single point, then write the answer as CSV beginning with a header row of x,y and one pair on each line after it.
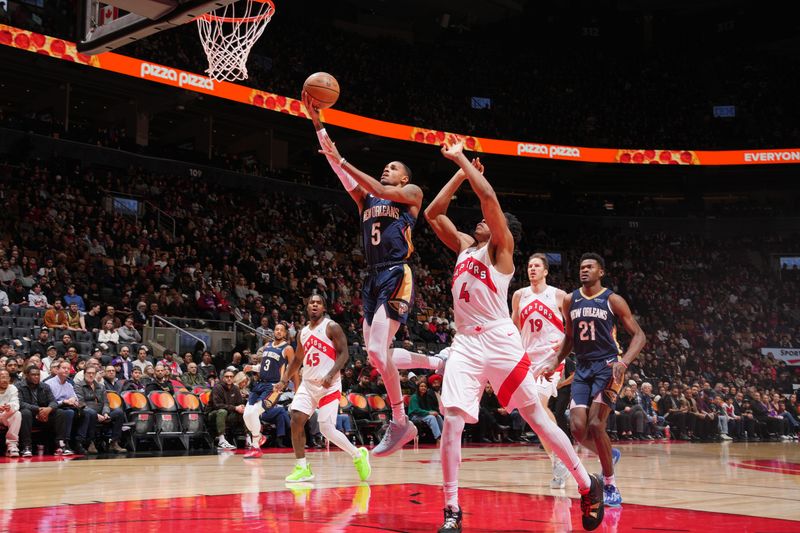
x,y
322,350
488,347
536,311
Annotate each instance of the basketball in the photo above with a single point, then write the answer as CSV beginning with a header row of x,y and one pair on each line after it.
x,y
323,88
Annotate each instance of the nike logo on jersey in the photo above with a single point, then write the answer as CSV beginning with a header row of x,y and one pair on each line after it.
x,y
578,300
510,334
611,361
392,268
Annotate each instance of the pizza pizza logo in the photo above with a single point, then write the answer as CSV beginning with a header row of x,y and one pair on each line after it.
x,y
657,157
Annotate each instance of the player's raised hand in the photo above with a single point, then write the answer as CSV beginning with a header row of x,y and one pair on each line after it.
x,y
453,151
313,110
329,149
476,162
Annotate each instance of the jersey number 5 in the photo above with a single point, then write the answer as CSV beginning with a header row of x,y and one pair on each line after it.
x,y
312,359
587,330
376,233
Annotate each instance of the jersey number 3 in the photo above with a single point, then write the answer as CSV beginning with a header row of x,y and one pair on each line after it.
x,y
312,359
587,330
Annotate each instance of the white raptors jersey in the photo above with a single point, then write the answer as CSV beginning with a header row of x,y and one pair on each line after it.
x,y
540,320
480,292
320,355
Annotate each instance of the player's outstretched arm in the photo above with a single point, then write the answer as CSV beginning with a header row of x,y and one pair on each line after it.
x,y
622,311
409,194
490,207
336,334
350,185
436,213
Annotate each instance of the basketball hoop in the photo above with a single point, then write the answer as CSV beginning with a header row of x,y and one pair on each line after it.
x,y
228,35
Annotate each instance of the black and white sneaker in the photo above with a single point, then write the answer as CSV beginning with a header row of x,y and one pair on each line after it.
x,y
592,505
26,452
452,521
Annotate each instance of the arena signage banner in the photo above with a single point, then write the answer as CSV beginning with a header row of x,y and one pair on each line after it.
x,y
790,356
112,62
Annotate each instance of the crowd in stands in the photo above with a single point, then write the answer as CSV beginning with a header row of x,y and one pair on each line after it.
x,y
77,283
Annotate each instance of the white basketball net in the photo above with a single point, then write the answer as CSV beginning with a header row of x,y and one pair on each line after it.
x,y
228,35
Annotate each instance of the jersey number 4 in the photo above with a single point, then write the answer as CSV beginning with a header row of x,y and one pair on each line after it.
x,y
312,359
463,294
587,330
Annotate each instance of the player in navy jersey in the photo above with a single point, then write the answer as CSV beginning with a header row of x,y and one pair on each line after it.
x,y
276,354
591,314
388,209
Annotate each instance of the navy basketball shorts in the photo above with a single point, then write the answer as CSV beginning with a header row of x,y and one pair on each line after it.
x,y
259,392
392,287
594,382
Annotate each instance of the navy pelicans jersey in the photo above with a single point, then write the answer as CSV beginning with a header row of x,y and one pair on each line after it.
x,y
272,360
594,330
386,227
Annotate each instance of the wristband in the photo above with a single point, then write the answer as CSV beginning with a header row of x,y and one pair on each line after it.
x,y
342,162
623,364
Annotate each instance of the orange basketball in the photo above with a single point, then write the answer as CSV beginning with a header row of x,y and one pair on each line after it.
x,y
323,88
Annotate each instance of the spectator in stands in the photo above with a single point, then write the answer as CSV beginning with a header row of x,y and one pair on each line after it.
x,y
161,381
36,298
80,375
207,366
111,314
193,378
92,319
141,361
173,366
225,408
364,386
50,356
128,334
424,407
4,301
38,407
108,335
67,400
65,344
12,367
111,381
7,276
124,362
75,320
136,383
263,331
140,315
72,298
92,396
10,415
55,317
502,417
652,422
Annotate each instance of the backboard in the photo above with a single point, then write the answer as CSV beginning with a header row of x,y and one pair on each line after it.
x,y
113,23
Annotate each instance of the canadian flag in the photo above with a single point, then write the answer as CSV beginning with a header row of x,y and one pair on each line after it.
x,y
107,14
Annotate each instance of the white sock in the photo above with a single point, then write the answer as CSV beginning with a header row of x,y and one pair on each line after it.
x,y
609,480
302,462
451,458
399,413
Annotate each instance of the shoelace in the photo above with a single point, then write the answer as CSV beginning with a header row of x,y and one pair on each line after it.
x,y
451,522
586,503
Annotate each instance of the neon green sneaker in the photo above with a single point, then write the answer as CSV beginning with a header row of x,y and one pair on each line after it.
x,y
300,474
362,464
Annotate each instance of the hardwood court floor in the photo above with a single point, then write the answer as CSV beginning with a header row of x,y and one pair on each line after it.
x,y
666,487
